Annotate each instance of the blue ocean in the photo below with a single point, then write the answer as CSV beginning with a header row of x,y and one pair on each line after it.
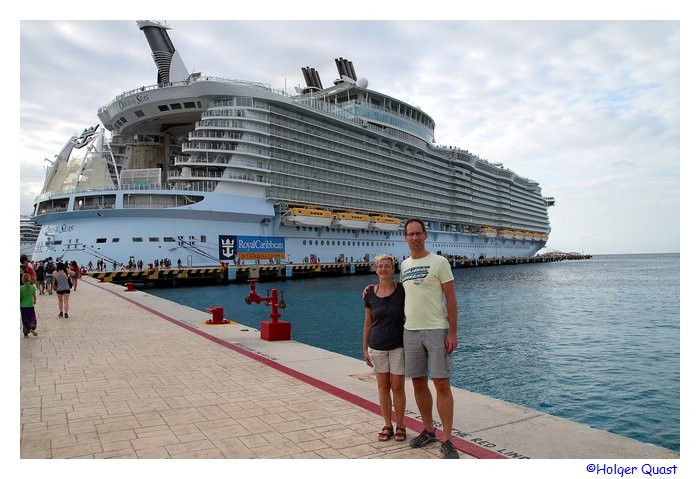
x,y
596,341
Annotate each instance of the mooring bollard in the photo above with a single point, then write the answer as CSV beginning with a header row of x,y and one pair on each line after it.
x,y
129,287
217,315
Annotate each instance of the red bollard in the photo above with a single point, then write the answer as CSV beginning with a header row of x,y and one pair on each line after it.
x,y
129,287
217,315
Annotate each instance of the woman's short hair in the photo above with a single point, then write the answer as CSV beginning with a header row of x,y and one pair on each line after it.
x,y
384,256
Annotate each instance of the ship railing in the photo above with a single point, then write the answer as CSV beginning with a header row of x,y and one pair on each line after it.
x,y
192,79
93,207
152,187
179,176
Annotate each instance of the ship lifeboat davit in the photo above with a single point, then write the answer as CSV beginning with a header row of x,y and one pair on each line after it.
x,y
384,223
307,217
355,221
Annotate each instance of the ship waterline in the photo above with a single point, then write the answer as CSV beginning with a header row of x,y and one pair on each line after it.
x,y
196,162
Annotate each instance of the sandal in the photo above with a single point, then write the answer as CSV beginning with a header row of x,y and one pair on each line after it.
x,y
386,434
400,434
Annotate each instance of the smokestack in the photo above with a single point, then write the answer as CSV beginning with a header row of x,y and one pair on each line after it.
x,y
168,62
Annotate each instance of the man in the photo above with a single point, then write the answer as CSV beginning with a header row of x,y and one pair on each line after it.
x,y
430,334
49,268
26,267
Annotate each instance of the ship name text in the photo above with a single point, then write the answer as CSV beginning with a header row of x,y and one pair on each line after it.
x,y
135,100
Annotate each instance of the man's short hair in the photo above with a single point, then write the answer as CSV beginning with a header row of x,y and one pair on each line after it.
x,y
413,220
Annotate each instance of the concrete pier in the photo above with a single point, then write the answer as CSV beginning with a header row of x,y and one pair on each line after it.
x,y
130,375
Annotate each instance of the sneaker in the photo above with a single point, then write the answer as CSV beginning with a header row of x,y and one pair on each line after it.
x,y
448,450
423,438
60,315
65,315
34,332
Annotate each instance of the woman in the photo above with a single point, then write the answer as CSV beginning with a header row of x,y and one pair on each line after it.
x,y
27,300
62,285
76,274
383,345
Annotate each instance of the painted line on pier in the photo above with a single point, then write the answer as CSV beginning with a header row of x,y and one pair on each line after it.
x,y
470,448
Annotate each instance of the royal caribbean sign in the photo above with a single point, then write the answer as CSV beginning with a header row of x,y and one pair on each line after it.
x,y
250,247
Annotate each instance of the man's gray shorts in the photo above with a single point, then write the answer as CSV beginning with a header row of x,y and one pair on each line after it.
x,y
426,353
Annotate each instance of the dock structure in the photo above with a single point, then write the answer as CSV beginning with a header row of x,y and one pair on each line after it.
x,y
131,375
230,273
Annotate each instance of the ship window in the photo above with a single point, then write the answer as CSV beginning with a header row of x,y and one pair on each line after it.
x,y
316,242
321,242
137,239
190,104
203,238
57,242
176,106
139,113
304,242
115,240
153,239
168,239
101,240
199,104
163,107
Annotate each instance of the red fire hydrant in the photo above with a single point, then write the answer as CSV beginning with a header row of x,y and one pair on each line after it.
x,y
274,330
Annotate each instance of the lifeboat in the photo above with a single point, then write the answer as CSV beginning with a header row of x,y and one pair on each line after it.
x,y
384,223
304,216
488,232
518,235
505,233
354,221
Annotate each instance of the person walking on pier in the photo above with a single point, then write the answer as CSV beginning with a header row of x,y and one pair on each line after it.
x,y
430,334
76,274
27,300
62,285
382,345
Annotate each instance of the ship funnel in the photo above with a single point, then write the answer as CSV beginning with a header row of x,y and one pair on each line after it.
x,y
345,68
170,66
313,81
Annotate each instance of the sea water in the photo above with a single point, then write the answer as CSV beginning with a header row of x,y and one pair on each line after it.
x,y
596,341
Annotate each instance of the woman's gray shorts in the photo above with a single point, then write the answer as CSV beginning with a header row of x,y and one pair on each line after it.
x,y
390,361
425,352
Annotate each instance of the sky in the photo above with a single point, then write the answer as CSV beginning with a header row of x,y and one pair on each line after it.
x,y
590,109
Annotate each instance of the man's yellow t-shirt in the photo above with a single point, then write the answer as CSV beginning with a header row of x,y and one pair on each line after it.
x,y
422,279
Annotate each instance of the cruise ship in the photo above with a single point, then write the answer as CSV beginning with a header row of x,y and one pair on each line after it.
x,y
208,170
28,234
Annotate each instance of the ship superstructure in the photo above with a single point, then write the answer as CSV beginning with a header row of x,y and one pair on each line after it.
x,y
197,164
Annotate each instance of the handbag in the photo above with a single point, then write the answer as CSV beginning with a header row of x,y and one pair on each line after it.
x,y
70,283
